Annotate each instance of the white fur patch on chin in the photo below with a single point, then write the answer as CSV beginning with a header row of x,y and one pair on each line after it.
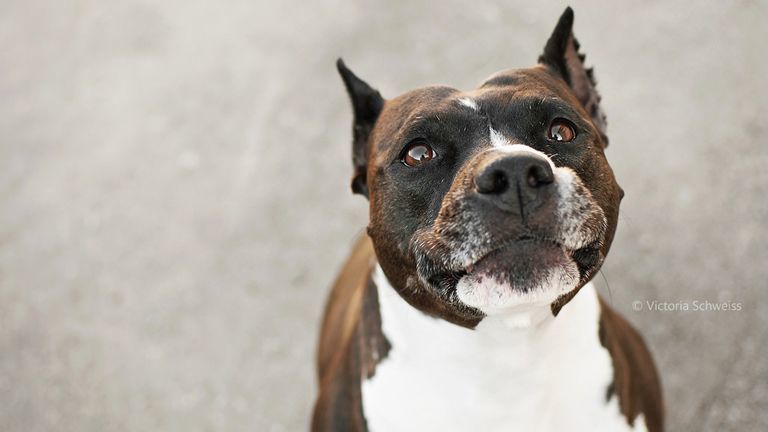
x,y
494,297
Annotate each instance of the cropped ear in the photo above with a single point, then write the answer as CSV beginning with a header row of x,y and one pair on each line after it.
x,y
366,105
561,54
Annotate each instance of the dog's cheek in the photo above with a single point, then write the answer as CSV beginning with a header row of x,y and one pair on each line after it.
x,y
394,216
607,194
461,228
581,220
397,266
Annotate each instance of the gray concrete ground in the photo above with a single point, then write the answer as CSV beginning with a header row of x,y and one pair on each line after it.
x,y
174,194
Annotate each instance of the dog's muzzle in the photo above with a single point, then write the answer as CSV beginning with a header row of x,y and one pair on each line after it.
x,y
514,215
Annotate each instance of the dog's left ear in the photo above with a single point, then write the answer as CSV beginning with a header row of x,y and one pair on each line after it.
x,y
561,54
367,104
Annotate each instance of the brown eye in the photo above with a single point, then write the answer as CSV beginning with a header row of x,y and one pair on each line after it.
x,y
417,153
561,130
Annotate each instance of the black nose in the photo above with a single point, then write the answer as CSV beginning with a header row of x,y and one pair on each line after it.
x,y
515,182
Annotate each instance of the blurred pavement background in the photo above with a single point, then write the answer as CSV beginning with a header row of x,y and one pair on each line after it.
x,y
174,194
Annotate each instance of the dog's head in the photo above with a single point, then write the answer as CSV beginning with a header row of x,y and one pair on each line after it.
x,y
496,200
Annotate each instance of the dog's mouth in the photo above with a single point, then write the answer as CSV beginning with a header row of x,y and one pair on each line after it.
x,y
519,261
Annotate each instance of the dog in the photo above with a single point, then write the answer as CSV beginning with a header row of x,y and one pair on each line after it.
x,y
468,305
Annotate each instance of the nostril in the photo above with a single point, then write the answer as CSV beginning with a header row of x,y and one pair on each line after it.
x,y
538,176
500,182
492,182
532,182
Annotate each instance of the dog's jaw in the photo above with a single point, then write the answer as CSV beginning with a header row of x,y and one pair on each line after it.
x,y
525,306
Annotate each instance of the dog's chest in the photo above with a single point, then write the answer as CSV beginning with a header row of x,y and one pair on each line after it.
x,y
441,377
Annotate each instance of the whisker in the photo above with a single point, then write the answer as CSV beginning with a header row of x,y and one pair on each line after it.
x,y
607,285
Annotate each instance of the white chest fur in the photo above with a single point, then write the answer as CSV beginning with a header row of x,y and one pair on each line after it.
x,y
438,376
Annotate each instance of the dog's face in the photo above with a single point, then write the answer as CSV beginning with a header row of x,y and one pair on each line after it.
x,y
490,201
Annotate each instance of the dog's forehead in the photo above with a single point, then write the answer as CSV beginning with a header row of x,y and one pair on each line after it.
x,y
448,105
537,82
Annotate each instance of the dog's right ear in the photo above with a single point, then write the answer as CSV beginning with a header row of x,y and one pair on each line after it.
x,y
561,54
367,104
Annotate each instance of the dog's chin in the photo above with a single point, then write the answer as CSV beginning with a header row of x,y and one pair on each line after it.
x,y
523,277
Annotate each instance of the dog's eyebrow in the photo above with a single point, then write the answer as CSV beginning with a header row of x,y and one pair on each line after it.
x,y
412,127
554,103
419,125
418,122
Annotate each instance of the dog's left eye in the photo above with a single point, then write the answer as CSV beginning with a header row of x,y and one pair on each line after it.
x,y
561,130
417,153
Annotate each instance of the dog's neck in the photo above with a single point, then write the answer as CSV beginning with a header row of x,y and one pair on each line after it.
x,y
513,366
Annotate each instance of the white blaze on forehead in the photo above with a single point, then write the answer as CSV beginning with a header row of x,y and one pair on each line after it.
x,y
469,103
498,140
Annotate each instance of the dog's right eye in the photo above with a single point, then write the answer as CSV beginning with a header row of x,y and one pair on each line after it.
x,y
561,130
417,153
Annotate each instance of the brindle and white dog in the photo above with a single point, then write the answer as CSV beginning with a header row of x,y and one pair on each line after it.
x,y
469,305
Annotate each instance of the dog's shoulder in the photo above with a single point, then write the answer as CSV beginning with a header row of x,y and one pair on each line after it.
x,y
636,380
351,343
343,308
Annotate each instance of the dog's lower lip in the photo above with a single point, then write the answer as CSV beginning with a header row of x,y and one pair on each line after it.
x,y
505,245
447,279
